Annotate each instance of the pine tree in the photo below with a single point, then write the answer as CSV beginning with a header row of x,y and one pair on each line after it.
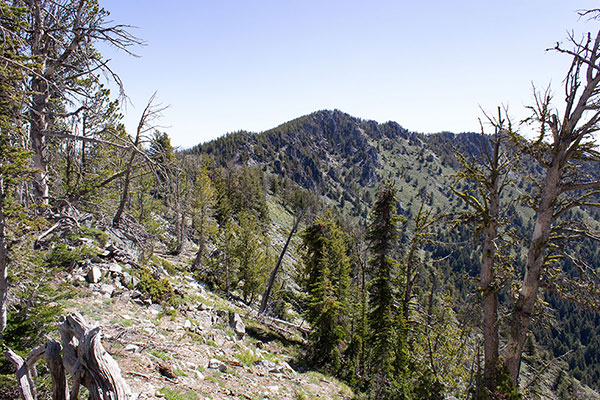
x,y
384,318
327,282
203,203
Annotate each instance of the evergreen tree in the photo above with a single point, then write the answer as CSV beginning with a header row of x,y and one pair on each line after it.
x,y
326,282
203,204
251,257
384,318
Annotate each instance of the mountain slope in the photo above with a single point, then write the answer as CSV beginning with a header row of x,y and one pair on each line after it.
x,y
343,159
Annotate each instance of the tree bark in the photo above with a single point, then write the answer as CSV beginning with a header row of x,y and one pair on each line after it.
x,y
490,308
524,307
57,371
125,191
86,360
23,377
3,260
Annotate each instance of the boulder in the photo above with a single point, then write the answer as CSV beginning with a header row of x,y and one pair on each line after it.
x,y
107,290
132,348
236,323
94,275
204,319
266,364
216,364
115,269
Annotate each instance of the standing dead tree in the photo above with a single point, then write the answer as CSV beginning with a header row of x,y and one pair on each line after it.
x,y
150,114
567,152
83,357
488,203
60,40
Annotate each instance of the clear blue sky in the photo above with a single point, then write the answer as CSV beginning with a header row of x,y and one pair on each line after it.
x,y
226,65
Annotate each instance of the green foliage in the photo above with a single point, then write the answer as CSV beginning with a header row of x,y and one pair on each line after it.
x,y
158,289
504,388
252,257
34,314
172,394
326,282
386,337
63,255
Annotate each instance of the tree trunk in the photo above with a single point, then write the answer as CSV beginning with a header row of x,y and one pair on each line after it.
x,y
527,297
37,125
267,294
57,371
83,357
125,192
23,377
200,252
3,260
87,361
490,308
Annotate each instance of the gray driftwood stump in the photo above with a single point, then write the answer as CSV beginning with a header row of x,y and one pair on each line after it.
x,y
83,357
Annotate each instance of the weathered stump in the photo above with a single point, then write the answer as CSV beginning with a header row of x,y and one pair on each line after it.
x,y
83,357
88,363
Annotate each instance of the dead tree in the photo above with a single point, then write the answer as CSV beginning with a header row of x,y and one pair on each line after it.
x,y
267,294
83,357
61,40
566,150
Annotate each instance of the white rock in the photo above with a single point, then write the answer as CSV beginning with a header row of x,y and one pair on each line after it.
x,y
107,290
132,348
266,364
115,268
216,364
187,324
204,319
94,274
236,323
155,309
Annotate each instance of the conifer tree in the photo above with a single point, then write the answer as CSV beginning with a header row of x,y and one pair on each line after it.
x,y
327,282
383,315
13,157
203,203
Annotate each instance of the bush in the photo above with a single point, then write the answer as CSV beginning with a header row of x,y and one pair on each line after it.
x,y
158,289
62,255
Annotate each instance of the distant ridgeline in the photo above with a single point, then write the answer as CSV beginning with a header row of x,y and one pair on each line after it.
x,y
343,159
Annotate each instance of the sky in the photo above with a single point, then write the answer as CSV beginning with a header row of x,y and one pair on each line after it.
x,y
431,65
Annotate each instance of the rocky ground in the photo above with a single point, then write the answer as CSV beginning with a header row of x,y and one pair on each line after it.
x,y
207,348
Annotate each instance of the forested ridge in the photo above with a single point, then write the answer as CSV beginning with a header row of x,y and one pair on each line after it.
x,y
406,265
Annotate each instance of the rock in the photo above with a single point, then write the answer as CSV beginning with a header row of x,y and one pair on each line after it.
x,y
236,323
94,275
216,364
266,364
219,341
115,269
187,324
204,319
107,290
221,316
149,330
132,348
260,344
155,309
281,368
